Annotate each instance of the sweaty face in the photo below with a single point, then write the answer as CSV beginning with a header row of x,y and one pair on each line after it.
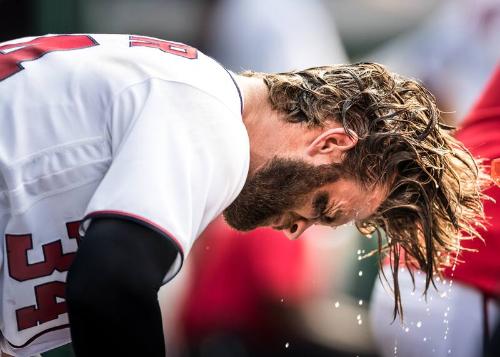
x,y
292,195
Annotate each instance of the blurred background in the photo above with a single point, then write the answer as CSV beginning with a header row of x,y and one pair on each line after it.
x,y
258,294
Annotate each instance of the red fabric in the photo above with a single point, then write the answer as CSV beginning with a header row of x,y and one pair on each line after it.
x,y
237,277
480,132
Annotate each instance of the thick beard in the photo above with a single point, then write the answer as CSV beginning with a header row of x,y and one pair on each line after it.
x,y
280,186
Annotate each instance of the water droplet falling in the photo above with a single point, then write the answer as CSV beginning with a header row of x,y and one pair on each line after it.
x,y
360,273
337,304
419,324
358,317
287,345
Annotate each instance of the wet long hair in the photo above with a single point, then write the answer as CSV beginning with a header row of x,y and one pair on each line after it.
x,y
434,185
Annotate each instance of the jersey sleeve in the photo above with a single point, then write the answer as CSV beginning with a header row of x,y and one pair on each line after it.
x,y
180,156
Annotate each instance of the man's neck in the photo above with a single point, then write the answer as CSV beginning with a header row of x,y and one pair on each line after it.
x,y
255,99
256,109
269,133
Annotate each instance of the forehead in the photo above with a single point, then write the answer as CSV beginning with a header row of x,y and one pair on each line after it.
x,y
351,198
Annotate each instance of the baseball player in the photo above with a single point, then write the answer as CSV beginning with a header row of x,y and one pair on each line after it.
x,y
116,151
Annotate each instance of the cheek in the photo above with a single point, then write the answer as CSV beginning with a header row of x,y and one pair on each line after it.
x,y
302,211
366,207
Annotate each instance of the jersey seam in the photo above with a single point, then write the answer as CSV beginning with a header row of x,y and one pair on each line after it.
x,y
84,182
54,149
56,173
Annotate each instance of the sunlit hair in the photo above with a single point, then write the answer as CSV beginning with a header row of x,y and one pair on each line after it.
x,y
434,185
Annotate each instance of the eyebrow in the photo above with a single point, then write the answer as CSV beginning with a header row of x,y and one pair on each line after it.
x,y
320,203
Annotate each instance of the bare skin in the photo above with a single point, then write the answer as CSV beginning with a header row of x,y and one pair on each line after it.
x,y
271,136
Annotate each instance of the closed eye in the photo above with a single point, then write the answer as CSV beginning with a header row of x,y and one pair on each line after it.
x,y
329,220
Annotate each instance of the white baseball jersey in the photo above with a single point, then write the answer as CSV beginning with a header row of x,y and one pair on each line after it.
x,y
110,126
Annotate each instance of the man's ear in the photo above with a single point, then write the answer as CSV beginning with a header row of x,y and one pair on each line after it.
x,y
331,144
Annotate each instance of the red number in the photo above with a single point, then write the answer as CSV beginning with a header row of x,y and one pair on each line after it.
x,y
12,55
175,48
47,307
54,259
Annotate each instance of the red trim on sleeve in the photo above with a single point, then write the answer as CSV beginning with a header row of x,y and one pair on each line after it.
x,y
135,217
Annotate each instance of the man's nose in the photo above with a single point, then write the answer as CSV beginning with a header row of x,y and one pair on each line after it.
x,y
297,228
